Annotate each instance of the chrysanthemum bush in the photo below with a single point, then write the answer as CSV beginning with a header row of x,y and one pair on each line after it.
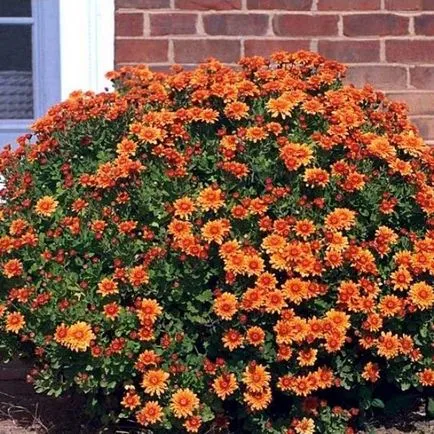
x,y
244,249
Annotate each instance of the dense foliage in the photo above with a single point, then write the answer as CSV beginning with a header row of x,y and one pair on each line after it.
x,y
249,248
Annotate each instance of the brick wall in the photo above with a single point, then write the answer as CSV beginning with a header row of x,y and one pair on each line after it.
x,y
389,43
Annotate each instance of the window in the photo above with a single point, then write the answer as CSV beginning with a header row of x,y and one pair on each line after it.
x,y
29,63
49,48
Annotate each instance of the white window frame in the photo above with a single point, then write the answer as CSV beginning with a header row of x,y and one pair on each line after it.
x,y
72,49
45,64
87,39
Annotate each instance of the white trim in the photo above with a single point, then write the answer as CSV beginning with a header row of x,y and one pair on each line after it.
x,y
86,44
14,124
16,20
46,55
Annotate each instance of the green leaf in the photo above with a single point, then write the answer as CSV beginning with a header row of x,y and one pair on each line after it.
x,y
430,408
205,296
378,403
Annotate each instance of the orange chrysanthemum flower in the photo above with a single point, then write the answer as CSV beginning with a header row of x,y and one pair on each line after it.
x,y
225,305
316,177
150,413
46,206
107,287
307,357
266,281
210,199
373,322
150,134
183,403
236,110
390,305
401,278
127,226
295,155
13,268
304,228
180,229
422,295
256,377
256,134
274,301
340,219
333,258
388,345
147,358
225,385
426,377
193,424
61,333
371,372
14,322
273,243
232,339
111,310
255,336
295,290
380,147
149,309
216,230
79,336
131,400
305,426
126,146
229,248
253,265
258,400
154,382
138,276
184,207
279,107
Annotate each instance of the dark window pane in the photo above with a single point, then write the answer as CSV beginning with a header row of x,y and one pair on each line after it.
x,y
15,8
16,83
15,47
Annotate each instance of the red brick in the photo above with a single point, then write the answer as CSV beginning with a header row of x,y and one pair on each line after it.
x,y
419,103
348,5
422,77
143,4
129,24
140,50
305,25
235,24
404,50
206,5
424,25
173,24
264,47
410,5
196,50
425,126
351,51
288,5
375,24
381,77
